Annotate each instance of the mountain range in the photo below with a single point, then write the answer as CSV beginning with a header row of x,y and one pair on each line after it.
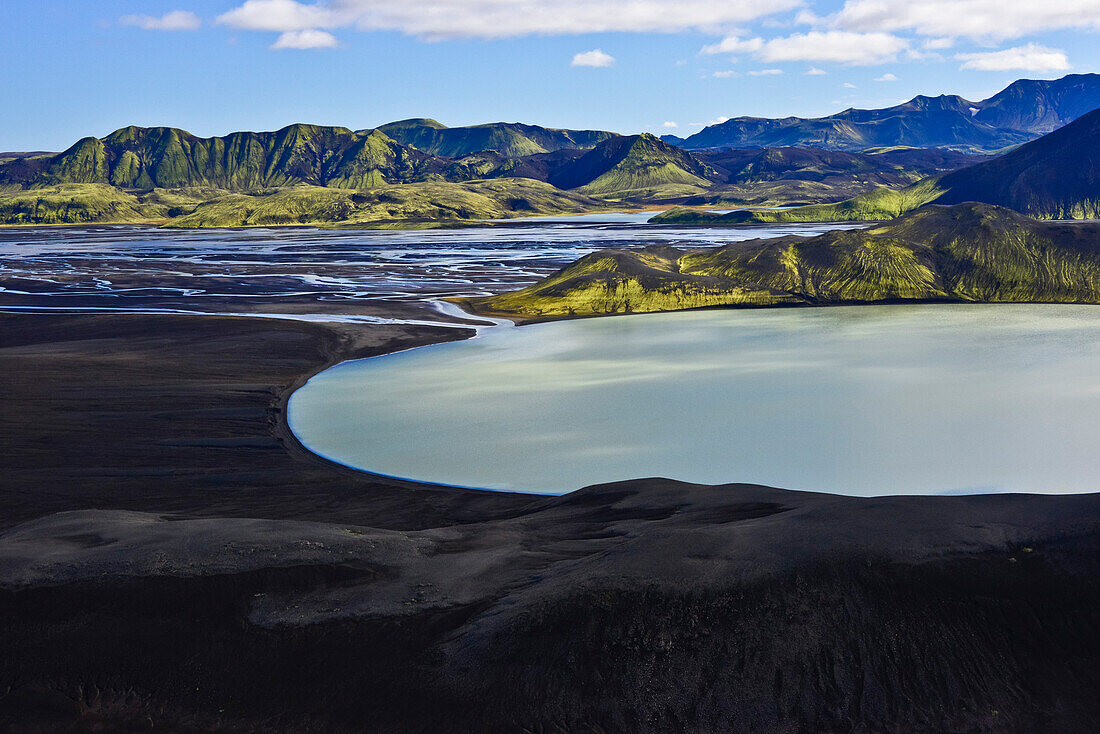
x,y
160,174
620,167
151,174
1021,112
965,252
1056,176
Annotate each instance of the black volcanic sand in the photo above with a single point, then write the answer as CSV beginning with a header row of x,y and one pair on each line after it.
x,y
184,414
172,561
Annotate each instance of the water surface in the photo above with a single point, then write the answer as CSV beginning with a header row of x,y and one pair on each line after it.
x,y
861,400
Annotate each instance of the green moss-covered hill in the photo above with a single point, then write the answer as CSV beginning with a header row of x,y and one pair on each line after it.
x,y
1054,177
75,203
423,203
510,139
966,252
162,157
414,204
634,167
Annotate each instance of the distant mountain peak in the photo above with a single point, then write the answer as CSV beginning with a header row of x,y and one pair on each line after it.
x,y
1023,111
420,122
1056,176
508,138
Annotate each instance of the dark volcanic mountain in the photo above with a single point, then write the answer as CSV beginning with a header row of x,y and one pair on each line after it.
x,y
891,167
1054,177
1021,112
968,252
507,138
1039,106
643,167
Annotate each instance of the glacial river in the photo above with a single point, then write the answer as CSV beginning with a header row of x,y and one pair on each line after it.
x,y
226,270
865,400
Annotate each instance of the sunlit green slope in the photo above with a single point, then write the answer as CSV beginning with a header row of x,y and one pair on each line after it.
x,y
161,157
77,204
967,252
507,138
417,203
634,167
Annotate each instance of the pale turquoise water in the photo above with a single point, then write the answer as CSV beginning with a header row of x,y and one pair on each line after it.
x,y
856,400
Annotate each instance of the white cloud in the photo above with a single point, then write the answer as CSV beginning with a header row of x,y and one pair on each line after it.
x,y
849,85
670,124
715,121
886,78
808,17
766,72
309,38
979,19
177,20
814,71
440,19
938,44
595,57
1024,58
734,45
725,74
281,15
843,47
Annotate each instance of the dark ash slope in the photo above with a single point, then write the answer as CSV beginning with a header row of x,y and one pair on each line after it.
x,y
196,572
1054,177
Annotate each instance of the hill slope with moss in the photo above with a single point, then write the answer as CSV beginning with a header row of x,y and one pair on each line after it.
x,y
511,139
1054,177
423,203
77,204
967,252
162,157
634,167
415,204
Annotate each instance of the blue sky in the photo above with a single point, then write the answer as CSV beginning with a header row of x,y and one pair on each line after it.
x,y
74,68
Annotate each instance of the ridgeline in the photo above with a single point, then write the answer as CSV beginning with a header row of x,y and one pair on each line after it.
x,y
966,252
857,165
1054,177
1021,112
510,139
